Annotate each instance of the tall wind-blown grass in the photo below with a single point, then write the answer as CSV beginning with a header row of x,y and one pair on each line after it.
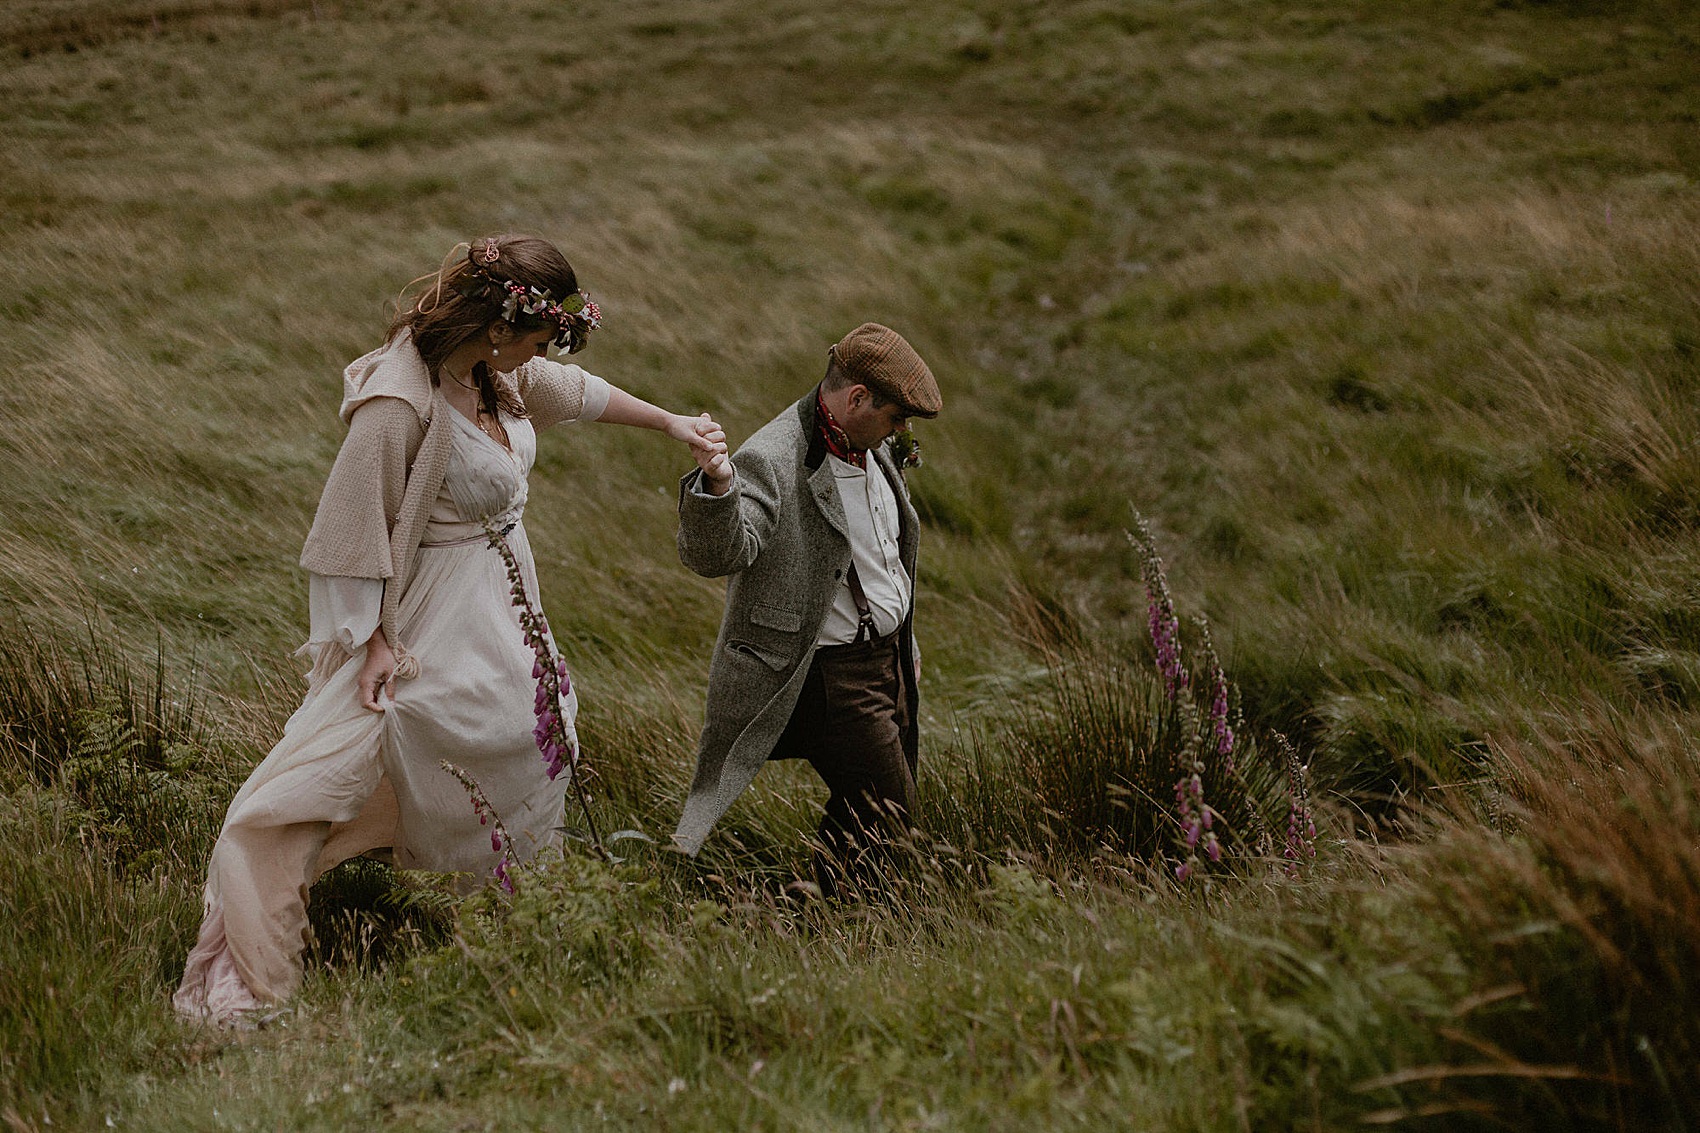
x,y
89,952
114,787
1386,314
1088,763
1579,921
137,759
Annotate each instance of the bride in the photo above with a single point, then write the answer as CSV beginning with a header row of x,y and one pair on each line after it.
x,y
416,650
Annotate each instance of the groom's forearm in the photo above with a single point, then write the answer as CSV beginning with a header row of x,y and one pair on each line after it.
x,y
723,534
710,528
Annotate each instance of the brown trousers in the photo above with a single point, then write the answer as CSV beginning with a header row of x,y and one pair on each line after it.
x,y
849,724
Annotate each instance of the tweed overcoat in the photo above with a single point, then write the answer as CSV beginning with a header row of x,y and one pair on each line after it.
x,y
781,535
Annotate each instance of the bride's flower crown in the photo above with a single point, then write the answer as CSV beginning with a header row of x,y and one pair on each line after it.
x,y
528,307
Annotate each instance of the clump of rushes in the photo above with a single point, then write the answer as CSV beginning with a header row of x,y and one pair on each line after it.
x,y
1213,733
1193,815
560,749
500,840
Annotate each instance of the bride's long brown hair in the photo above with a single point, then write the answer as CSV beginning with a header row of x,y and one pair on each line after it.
x,y
442,317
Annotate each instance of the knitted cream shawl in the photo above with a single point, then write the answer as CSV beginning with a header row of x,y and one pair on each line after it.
x,y
390,469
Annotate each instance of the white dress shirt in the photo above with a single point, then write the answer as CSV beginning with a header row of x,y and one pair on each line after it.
x,y
874,523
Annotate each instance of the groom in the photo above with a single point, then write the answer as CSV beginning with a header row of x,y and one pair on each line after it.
x,y
816,656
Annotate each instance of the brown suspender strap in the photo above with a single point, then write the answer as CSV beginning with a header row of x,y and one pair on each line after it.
x,y
865,629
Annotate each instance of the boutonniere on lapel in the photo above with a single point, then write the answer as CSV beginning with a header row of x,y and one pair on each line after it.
x,y
905,449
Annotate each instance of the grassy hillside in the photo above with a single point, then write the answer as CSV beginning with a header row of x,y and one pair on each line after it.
x,y
1386,316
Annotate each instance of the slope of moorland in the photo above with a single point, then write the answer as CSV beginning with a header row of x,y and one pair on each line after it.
x,y
1387,318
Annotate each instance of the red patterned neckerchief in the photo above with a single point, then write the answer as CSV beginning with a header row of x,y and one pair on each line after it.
x,y
837,440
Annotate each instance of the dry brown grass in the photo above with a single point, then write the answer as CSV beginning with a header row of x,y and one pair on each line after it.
x,y
68,25
1577,911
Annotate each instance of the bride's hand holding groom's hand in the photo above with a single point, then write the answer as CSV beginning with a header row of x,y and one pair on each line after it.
x,y
708,445
701,433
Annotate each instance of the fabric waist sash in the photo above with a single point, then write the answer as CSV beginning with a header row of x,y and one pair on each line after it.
x,y
460,534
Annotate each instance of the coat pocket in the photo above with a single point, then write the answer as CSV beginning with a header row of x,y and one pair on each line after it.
x,y
776,617
773,660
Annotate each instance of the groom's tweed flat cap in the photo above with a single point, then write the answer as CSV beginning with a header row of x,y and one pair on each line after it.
x,y
879,358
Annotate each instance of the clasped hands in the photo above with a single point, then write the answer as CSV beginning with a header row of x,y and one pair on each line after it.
x,y
708,445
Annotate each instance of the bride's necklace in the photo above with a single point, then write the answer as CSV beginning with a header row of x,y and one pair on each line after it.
x,y
488,423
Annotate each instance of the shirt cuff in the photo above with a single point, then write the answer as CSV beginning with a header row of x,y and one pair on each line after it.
x,y
697,486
